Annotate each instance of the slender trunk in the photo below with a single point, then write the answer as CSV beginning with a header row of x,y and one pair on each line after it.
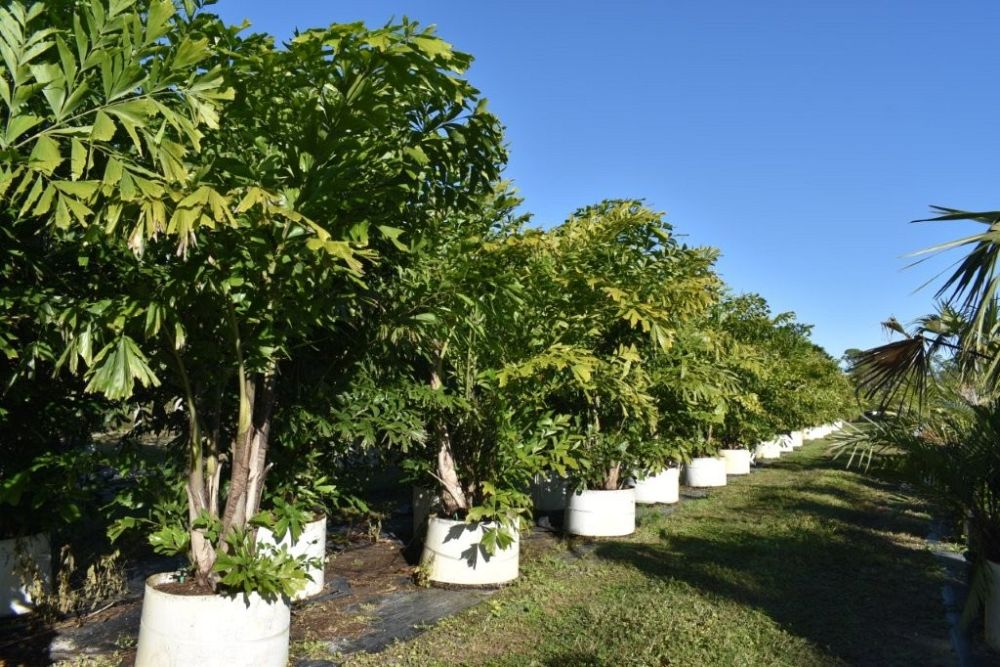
x,y
200,496
233,515
258,466
453,498
612,478
612,475
250,455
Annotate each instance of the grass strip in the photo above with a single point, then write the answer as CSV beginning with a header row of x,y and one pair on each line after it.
x,y
802,563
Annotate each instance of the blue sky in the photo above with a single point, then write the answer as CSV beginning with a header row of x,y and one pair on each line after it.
x,y
798,137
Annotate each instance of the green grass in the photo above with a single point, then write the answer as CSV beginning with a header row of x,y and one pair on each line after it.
x,y
801,564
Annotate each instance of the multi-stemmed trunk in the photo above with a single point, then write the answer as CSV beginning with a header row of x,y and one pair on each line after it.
x,y
453,497
247,463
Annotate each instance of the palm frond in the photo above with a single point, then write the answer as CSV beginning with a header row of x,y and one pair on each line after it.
x,y
894,373
972,287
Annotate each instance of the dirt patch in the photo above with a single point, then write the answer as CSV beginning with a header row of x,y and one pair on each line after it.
x,y
188,587
371,572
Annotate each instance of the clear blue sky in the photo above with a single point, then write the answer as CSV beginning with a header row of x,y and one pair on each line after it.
x,y
798,137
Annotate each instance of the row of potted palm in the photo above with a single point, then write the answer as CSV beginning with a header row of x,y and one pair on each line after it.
x,y
294,264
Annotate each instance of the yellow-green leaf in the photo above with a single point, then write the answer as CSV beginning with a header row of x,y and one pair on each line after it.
x,y
104,127
45,156
20,124
45,201
78,158
82,189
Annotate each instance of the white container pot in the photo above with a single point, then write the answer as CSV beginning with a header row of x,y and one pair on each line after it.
x,y
549,493
312,545
737,461
769,449
596,513
211,630
785,443
992,615
425,502
22,559
796,437
706,471
453,554
663,487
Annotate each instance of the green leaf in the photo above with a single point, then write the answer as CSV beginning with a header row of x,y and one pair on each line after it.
x,y
190,52
45,202
434,46
78,158
33,194
104,127
116,7
20,124
160,12
84,189
45,156
393,234
133,111
121,364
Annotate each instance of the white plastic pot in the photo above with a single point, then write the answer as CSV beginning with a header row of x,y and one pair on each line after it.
x,y
796,437
211,630
737,461
20,559
601,513
453,554
549,493
769,449
425,502
663,487
706,471
312,545
786,443
992,615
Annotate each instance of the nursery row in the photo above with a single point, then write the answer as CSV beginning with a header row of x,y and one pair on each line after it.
x,y
262,275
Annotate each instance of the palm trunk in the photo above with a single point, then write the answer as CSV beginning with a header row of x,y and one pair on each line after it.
x,y
249,453
613,477
203,480
453,498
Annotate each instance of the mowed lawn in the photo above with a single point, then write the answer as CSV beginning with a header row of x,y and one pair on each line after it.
x,y
803,563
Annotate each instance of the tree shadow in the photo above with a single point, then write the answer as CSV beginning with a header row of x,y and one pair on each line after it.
x,y
25,640
573,659
843,577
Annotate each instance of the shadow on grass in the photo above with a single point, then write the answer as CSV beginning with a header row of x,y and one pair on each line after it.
x,y
573,659
830,564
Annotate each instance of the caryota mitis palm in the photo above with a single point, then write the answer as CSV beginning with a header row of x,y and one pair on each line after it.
x,y
253,207
611,288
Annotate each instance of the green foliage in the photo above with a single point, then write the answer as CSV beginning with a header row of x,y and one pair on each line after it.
x,y
103,104
940,380
262,183
283,519
614,291
53,489
298,260
249,568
